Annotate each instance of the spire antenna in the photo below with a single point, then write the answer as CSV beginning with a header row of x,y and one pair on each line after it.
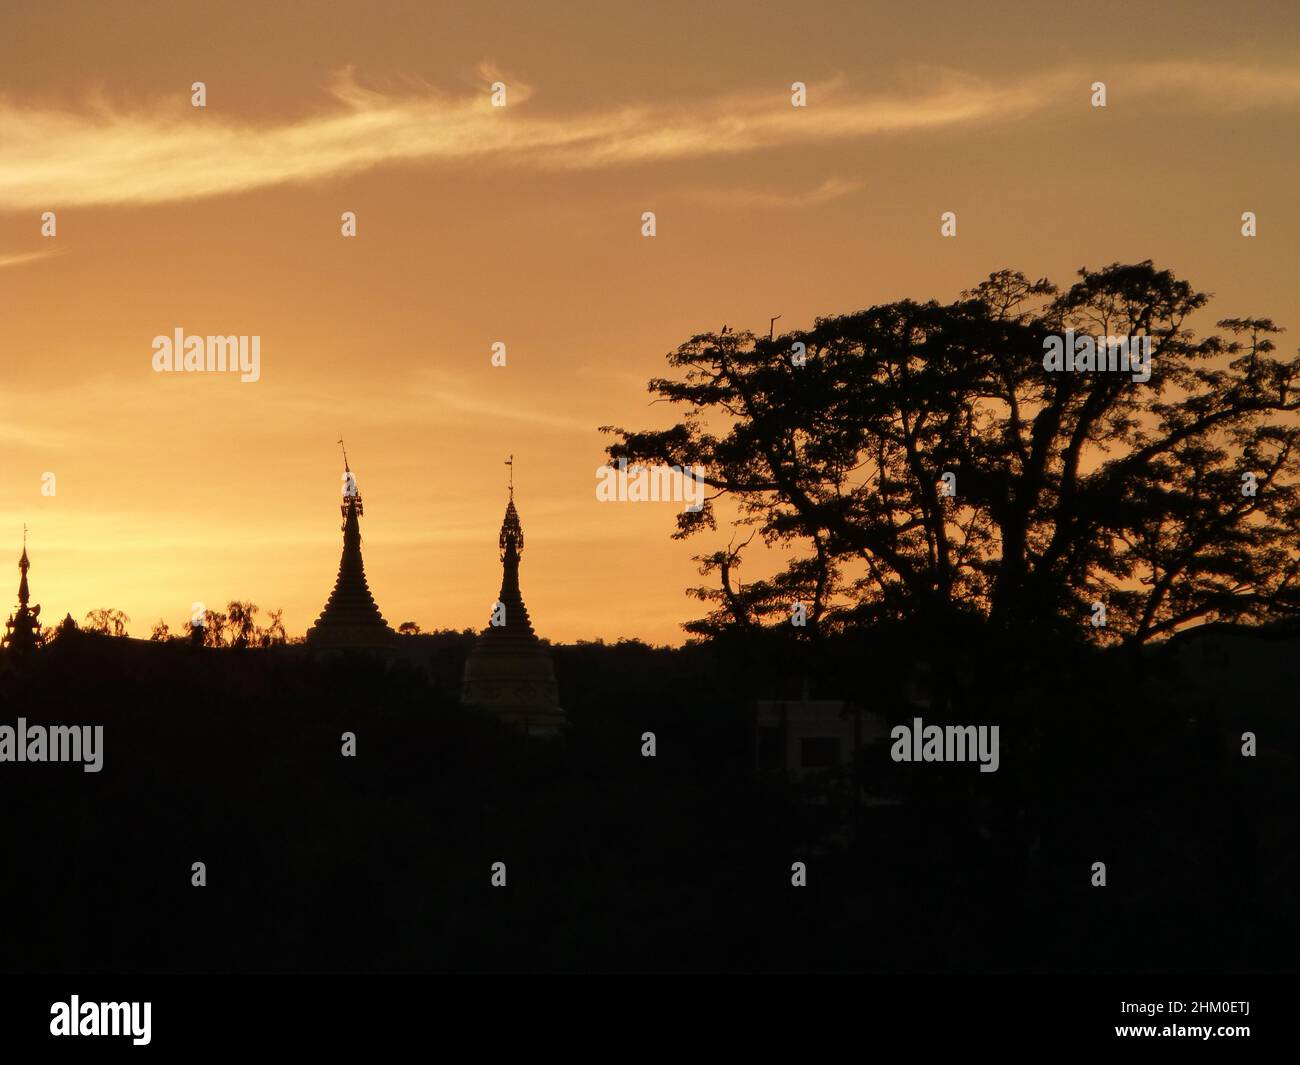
x,y
511,463
346,467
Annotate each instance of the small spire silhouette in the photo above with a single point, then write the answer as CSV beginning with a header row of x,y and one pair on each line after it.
x,y
23,567
23,629
350,617
509,673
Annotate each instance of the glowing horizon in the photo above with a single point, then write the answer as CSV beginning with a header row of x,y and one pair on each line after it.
x,y
521,225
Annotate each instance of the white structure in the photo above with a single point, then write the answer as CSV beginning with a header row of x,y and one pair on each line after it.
x,y
804,737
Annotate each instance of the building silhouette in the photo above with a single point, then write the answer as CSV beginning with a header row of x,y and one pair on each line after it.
x,y
350,619
23,629
509,673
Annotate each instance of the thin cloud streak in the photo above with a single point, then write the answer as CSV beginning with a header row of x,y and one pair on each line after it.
x,y
106,156
444,402
18,258
764,199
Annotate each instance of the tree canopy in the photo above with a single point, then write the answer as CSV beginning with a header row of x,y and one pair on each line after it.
x,y
1170,502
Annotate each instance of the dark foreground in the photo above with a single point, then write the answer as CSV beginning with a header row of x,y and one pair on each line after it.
x,y
620,863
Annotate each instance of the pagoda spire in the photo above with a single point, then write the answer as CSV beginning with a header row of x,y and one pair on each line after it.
x,y
23,629
509,672
350,617
24,594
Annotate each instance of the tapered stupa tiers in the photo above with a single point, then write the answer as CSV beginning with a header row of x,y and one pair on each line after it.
x,y
509,674
350,618
23,629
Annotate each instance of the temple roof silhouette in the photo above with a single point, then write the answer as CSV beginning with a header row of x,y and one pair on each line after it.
x,y
351,617
509,673
23,629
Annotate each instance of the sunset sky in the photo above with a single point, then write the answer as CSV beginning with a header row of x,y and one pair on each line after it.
x,y
523,225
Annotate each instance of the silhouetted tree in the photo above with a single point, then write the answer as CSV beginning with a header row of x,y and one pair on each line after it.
x,y
241,618
1072,488
274,633
214,628
408,628
107,622
161,632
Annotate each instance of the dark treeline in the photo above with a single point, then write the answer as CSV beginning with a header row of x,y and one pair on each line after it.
x,y
618,862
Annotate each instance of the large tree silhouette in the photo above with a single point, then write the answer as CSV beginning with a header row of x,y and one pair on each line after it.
x,y
1072,488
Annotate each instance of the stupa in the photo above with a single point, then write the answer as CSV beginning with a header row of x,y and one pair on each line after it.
x,y
23,629
509,673
350,618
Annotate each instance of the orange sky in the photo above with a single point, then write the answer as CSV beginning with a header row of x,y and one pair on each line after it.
x,y
522,225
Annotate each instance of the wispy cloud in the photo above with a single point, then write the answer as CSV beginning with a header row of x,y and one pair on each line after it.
x,y
107,155
18,258
1215,86
833,188
446,400
13,434
435,398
